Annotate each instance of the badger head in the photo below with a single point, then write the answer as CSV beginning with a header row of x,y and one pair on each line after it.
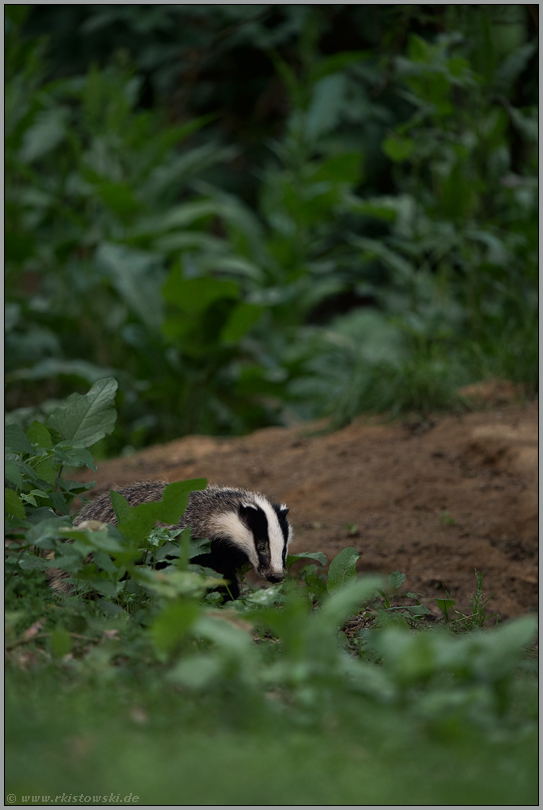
x,y
260,530
270,534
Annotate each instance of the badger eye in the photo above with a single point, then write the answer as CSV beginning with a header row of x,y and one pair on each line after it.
x,y
261,546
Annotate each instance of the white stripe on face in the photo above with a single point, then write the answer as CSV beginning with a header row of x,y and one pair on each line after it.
x,y
275,535
230,525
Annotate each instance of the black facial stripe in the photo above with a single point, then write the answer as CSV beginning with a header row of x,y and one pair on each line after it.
x,y
256,521
283,523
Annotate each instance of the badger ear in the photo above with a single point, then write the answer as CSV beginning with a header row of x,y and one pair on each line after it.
x,y
244,506
284,510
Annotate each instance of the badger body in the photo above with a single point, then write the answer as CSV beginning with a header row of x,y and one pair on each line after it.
x,y
242,526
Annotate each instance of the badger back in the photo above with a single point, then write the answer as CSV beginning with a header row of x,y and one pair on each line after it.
x,y
245,521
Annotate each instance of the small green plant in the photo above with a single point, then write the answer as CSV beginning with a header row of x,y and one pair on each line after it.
x,y
446,519
478,616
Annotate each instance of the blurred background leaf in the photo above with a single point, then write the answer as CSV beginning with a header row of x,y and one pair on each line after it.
x,y
267,212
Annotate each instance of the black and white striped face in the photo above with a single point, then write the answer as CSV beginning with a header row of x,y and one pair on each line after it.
x,y
261,530
271,535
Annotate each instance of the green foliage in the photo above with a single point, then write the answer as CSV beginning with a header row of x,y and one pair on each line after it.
x,y
478,616
372,246
141,625
35,459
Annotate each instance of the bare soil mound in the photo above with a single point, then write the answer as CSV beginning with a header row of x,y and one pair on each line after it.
x,y
436,500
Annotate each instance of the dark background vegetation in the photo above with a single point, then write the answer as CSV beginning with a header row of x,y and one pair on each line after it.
x,y
223,217
254,214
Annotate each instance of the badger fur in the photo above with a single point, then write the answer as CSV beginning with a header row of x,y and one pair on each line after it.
x,y
243,527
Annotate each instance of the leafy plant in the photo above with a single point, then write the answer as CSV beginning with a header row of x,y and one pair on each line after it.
x,y
478,616
140,623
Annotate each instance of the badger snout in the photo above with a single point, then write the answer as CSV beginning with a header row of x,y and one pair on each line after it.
x,y
273,576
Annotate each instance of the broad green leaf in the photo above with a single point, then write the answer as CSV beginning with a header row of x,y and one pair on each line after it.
x,y
29,562
342,569
61,642
16,440
74,456
232,639
83,420
47,531
38,434
106,539
13,504
13,473
59,503
47,470
173,623
104,561
119,198
186,214
196,294
307,555
196,672
398,149
136,525
419,50
326,105
396,579
343,601
136,275
120,505
242,317
46,133
445,604
336,62
343,168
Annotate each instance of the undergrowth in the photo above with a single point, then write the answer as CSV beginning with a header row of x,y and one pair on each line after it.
x,y
303,692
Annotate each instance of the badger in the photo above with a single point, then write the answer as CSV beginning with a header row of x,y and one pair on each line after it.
x,y
242,526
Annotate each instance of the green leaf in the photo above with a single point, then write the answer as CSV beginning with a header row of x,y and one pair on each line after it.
x,y
343,168
107,539
119,198
83,420
342,569
240,321
196,294
136,275
336,62
61,642
13,504
46,133
196,672
74,456
46,532
136,525
173,623
47,470
342,602
120,505
183,215
13,473
16,440
398,149
38,434
104,561
396,579
326,105
307,555
445,604
29,562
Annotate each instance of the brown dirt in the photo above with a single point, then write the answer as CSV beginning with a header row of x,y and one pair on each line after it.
x,y
436,499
